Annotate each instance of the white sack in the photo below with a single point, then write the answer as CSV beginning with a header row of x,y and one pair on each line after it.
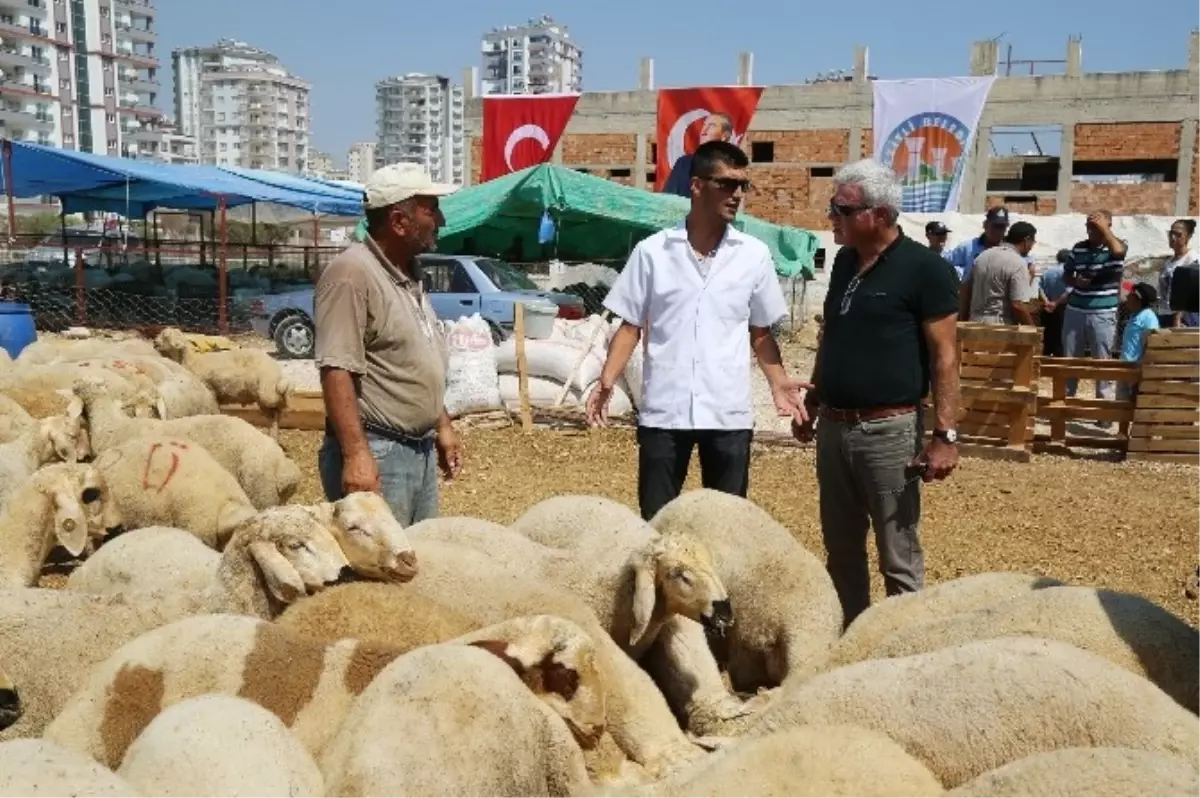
x,y
554,359
542,392
471,380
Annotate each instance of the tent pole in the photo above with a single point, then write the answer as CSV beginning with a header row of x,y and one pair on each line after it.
x,y
254,223
316,230
62,226
8,191
222,318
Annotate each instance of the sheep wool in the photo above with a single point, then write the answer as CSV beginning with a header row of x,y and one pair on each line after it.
x,y
968,709
220,745
1081,772
152,558
41,769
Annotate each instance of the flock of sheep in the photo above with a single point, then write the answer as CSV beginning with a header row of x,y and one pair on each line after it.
x,y
217,640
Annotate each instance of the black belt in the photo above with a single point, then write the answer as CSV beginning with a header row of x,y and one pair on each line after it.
x,y
391,433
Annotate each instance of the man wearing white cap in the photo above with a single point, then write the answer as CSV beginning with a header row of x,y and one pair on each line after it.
x,y
382,356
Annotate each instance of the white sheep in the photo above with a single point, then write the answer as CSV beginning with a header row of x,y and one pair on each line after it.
x,y
50,439
45,391
237,376
14,420
260,466
169,481
971,708
165,558
812,760
455,720
474,585
51,351
895,614
1127,630
1087,771
56,636
38,768
309,685
179,392
219,745
52,508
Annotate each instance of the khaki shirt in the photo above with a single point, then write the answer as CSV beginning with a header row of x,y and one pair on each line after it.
x,y
369,322
1000,277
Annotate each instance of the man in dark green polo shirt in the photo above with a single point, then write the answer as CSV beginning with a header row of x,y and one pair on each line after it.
x,y
890,325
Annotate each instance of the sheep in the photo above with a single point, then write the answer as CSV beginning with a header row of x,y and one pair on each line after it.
x,y
50,439
456,720
164,558
44,391
1127,630
51,351
813,760
909,610
1087,771
219,745
49,508
968,709
309,685
41,768
474,585
261,467
169,481
14,420
10,701
237,376
180,392
55,636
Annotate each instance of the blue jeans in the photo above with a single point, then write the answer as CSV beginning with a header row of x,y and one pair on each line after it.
x,y
408,475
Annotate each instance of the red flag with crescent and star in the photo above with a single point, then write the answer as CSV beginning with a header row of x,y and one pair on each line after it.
x,y
682,114
522,130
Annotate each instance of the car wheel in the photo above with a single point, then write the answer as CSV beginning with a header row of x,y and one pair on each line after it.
x,y
295,338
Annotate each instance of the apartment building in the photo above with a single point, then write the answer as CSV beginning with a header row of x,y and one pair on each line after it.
x,y
360,161
161,141
242,106
419,119
539,57
78,74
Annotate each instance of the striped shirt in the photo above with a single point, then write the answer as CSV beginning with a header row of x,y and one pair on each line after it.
x,y
1103,293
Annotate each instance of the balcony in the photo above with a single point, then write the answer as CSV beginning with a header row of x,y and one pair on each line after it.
x,y
13,55
35,9
140,7
135,33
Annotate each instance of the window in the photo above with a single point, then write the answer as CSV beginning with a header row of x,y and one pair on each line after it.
x,y
110,118
108,91
504,276
818,171
107,65
762,151
60,27
105,38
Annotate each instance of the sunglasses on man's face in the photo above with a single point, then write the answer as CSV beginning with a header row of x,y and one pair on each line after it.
x,y
838,209
729,184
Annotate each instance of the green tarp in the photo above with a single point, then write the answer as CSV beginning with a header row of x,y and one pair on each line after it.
x,y
596,220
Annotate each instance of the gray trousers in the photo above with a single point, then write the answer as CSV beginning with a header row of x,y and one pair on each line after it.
x,y
865,481
1090,332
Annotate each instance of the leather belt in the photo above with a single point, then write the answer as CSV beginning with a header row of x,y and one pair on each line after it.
x,y
418,441
866,413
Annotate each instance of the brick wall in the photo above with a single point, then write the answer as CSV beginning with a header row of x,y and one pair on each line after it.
x,y
599,148
805,146
788,195
1041,206
1127,141
476,149
1158,198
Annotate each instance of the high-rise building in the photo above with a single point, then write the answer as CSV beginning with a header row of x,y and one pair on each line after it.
x,y
78,74
538,57
360,161
160,141
419,119
244,108
320,163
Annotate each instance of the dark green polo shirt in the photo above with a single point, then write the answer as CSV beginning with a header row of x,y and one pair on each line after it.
x,y
875,354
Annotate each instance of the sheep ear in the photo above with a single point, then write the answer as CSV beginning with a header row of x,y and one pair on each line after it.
x,y
70,527
83,444
161,407
75,408
283,580
643,598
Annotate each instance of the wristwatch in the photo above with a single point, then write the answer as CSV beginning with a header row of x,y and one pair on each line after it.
x,y
946,435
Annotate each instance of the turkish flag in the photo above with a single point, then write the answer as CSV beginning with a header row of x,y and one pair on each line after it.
x,y
681,115
520,131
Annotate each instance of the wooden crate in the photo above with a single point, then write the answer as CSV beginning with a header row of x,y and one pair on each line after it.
x,y
1059,409
998,375
306,410
1166,420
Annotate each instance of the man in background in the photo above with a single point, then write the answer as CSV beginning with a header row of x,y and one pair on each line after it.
x,y
935,234
717,127
1093,273
962,257
1052,291
998,289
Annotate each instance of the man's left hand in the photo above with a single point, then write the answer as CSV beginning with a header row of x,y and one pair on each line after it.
x,y
450,451
788,396
940,458
1099,221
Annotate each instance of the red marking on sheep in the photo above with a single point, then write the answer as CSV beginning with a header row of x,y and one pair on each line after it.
x,y
153,481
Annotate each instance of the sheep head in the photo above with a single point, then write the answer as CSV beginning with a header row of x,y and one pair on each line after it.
x,y
297,554
59,438
372,539
171,343
104,519
144,403
675,575
58,487
557,661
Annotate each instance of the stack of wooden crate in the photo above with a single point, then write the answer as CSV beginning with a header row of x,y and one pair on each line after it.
x,y
1166,418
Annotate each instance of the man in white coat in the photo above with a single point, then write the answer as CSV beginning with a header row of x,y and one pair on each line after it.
x,y
705,295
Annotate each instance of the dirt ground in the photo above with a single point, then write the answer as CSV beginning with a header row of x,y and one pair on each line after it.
x,y
1134,526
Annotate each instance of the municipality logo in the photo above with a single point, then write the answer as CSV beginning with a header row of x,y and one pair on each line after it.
x,y
927,152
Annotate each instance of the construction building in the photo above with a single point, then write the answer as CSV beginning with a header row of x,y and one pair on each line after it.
x,y
1124,141
242,106
419,119
539,57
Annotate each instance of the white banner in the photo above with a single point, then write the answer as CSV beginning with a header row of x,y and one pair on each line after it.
x,y
925,129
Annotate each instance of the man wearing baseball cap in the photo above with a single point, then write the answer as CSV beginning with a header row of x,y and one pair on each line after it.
x,y
382,356
935,234
995,225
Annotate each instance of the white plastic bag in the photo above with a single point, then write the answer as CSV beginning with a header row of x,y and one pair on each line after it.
x,y
471,379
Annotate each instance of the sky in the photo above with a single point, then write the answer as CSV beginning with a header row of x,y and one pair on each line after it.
x,y
343,48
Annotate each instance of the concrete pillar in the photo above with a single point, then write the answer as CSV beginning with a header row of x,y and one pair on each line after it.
x,y
861,68
1187,164
1066,165
470,79
973,196
1194,51
985,57
642,140
1074,57
646,78
745,75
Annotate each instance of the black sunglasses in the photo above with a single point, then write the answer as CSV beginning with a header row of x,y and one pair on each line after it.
x,y
845,210
729,184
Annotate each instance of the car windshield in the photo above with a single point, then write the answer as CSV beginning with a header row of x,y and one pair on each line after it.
x,y
504,276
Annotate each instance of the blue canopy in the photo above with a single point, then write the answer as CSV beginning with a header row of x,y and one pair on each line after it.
x,y
88,182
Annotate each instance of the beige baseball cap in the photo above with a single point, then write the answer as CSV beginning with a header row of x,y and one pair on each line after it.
x,y
400,181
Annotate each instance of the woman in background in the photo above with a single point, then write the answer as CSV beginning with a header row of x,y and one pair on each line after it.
x,y
1179,238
